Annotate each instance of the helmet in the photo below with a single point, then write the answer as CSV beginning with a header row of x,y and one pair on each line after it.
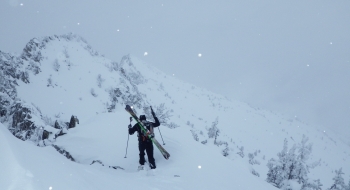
x,y
142,117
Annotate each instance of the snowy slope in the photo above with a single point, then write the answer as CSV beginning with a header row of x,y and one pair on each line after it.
x,y
82,84
25,166
255,129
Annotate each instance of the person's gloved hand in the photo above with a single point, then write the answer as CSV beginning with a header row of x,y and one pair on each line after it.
x,y
153,114
129,126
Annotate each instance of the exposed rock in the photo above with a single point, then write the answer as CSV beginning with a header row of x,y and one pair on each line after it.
x,y
97,161
130,72
22,126
32,51
57,126
116,167
5,102
26,123
45,135
100,162
61,132
73,121
64,153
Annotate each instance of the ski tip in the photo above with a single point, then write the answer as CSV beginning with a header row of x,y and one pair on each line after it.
x,y
128,107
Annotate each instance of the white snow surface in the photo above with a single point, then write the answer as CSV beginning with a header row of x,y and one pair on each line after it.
x,y
102,135
25,166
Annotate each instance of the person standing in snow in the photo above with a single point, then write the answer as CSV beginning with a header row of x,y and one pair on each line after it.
x,y
144,142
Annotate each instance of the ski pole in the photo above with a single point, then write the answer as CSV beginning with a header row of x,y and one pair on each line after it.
x,y
127,146
158,127
127,142
161,136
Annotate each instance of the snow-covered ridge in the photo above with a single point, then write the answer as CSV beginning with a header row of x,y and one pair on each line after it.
x,y
32,51
40,74
60,76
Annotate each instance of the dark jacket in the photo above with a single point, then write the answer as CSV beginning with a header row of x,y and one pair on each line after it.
x,y
148,125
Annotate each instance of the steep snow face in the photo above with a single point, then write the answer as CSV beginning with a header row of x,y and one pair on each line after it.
x,y
66,77
68,81
72,77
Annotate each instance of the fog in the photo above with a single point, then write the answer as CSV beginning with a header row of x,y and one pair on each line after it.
x,y
290,57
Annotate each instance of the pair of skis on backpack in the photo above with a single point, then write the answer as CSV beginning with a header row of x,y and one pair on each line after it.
x,y
144,129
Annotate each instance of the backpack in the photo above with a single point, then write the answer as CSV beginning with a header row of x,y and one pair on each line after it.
x,y
148,126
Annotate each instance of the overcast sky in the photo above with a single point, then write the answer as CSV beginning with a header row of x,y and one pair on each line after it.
x,y
291,57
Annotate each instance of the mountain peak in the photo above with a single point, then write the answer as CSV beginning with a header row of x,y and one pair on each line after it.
x,y
32,50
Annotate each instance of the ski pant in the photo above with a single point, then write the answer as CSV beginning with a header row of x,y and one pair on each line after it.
x,y
148,146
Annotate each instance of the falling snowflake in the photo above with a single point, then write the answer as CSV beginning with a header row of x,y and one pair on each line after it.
x,y
330,43
50,188
145,54
199,167
308,65
21,4
199,55
78,23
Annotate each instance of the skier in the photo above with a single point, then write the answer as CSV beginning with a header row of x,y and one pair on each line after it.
x,y
144,142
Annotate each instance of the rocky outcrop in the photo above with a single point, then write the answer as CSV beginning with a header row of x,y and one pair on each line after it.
x,y
12,69
46,134
57,125
64,153
22,126
101,163
127,91
32,51
19,115
73,122
61,132
130,72
5,102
